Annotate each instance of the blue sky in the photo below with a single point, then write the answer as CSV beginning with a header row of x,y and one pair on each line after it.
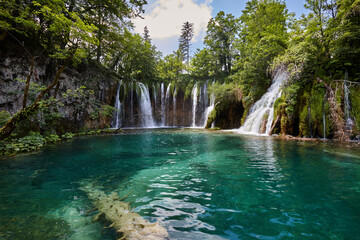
x,y
165,17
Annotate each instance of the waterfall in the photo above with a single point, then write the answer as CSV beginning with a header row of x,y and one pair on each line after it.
x,y
194,104
324,121
147,119
132,103
167,101
209,109
309,116
174,107
117,121
155,96
347,106
324,118
263,109
162,94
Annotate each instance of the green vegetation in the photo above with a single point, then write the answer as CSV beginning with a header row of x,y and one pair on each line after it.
x,y
240,55
35,140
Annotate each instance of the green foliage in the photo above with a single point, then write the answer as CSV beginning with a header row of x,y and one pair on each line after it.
x,y
68,135
4,117
355,104
263,36
104,111
52,138
220,36
225,92
171,67
34,88
31,142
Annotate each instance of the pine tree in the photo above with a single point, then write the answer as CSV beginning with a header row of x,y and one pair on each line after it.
x,y
187,33
146,34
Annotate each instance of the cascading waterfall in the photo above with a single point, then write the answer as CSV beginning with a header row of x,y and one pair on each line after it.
x,y
309,118
162,104
167,102
174,107
132,103
324,121
347,106
263,109
209,109
147,119
155,95
117,121
161,108
194,104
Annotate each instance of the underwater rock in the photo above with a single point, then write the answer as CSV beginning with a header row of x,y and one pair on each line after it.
x,y
128,224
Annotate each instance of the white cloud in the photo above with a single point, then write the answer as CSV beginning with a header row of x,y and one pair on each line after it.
x,y
167,16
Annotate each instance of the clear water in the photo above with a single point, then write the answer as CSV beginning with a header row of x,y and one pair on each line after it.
x,y
199,185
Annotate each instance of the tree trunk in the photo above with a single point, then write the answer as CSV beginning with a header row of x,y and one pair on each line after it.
x,y
3,34
29,110
26,91
273,126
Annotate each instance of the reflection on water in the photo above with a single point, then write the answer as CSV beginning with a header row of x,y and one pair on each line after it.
x,y
199,185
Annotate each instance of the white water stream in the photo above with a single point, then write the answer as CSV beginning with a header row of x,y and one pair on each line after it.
x,y
147,119
263,110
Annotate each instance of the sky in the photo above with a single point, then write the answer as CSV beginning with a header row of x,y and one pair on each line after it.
x,y
164,19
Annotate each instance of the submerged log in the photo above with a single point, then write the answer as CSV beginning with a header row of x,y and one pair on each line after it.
x,y
128,225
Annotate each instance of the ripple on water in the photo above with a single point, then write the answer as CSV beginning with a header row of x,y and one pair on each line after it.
x,y
198,185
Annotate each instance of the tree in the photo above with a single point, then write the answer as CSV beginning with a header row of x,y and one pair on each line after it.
x,y
263,36
136,59
61,33
187,33
110,17
171,67
220,35
203,64
146,34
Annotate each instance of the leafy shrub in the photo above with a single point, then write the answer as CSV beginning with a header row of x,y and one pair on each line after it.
x,y
4,117
106,110
52,138
68,135
31,142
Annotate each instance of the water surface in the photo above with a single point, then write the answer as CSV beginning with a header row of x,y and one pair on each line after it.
x,y
198,184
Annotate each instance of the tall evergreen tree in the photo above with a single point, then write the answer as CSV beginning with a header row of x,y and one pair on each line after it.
x,y
187,33
146,34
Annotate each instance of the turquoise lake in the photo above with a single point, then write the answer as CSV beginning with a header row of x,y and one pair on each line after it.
x,y
197,184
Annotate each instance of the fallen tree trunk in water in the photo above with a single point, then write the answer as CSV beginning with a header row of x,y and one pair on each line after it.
x,y
273,126
128,225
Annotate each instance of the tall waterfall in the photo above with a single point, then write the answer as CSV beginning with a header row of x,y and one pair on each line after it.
x,y
155,105
167,103
347,106
194,104
132,103
324,123
163,107
174,107
147,119
117,121
210,108
262,110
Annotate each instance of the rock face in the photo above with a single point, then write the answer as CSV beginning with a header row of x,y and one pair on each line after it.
x,y
87,88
